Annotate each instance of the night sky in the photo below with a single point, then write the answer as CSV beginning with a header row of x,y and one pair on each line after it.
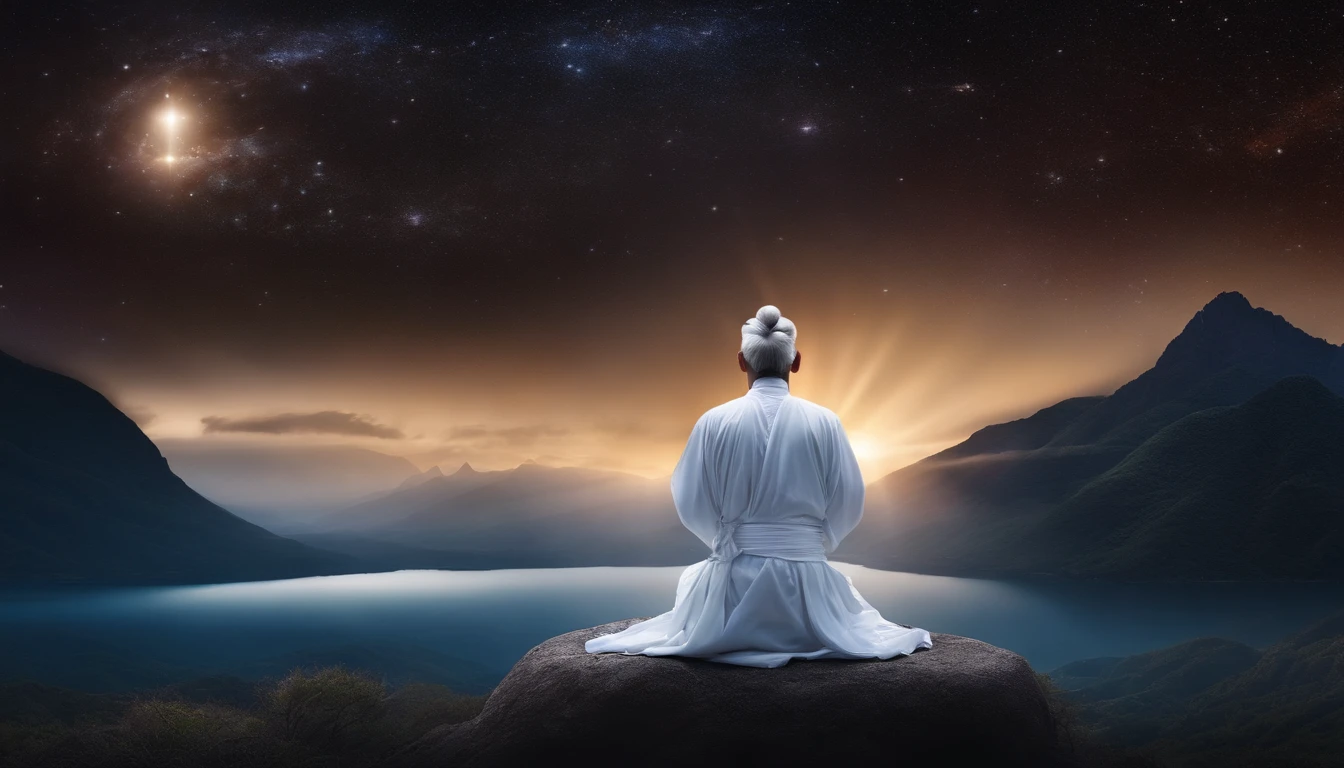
x,y
474,231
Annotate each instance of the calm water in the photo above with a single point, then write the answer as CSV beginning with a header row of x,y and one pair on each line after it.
x,y
493,617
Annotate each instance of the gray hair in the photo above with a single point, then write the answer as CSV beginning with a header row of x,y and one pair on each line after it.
x,y
768,342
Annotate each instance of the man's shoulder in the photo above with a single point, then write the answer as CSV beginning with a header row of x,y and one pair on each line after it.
x,y
815,410
723,411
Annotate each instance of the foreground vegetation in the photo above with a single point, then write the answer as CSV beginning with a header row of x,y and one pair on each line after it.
x,y
331,717
1212,703
1206,703
1088,743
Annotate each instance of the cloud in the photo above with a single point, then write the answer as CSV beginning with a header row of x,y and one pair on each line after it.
x,y
326,422
632,430
477,434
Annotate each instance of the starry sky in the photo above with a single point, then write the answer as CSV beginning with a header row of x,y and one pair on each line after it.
x,y
494,232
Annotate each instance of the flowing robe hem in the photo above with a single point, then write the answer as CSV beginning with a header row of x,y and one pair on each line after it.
x,y
839,623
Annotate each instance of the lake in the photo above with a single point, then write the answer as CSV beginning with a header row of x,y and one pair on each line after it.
x,y
112,638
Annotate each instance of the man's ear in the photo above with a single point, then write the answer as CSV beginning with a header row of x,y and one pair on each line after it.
x,y
797,361
742,362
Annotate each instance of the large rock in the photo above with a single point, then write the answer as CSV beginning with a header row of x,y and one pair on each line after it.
x,y
962,703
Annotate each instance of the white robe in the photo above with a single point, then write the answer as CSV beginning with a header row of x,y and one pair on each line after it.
x,y
769,482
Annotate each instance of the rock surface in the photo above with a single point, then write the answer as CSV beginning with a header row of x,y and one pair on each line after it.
x,y
963,702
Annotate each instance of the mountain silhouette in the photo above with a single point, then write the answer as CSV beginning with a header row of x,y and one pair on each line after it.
x,y
433,473
1227,353
85,497
1248,491
283,487
390,508
531,515
1163,479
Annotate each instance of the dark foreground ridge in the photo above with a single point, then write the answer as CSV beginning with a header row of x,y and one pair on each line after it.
x,y
962,703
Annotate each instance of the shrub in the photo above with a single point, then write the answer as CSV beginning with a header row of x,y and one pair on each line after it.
x,y
326,708
325,718
171,733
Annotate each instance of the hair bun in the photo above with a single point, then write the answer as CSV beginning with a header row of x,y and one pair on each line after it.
x,y
768,315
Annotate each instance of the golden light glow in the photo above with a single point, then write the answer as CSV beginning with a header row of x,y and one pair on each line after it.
x,y
170,117
866,449
169,159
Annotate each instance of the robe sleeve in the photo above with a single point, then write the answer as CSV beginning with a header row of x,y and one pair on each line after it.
x,y
845,488
693,484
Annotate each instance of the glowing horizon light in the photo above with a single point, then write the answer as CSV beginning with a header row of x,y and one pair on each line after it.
x,y
865,447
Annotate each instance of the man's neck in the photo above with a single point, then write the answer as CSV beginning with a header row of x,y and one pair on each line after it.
x,y
751,378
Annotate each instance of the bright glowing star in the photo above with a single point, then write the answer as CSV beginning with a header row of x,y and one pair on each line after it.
x,y
171,119
808,128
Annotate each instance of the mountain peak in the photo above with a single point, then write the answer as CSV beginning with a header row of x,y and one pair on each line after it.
x,y
1229,300
1232,311
1229,332
433,473
465,469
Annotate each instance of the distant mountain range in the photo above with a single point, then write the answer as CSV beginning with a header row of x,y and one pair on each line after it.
x,y
433,473
284,487
528,516
1223,461
85,497
1218,702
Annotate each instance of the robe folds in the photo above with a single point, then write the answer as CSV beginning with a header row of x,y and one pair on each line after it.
x,y
770,484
